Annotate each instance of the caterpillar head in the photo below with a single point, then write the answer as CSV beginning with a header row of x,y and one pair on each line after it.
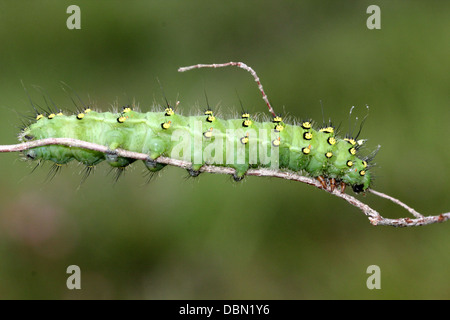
x,y
358,176
358,188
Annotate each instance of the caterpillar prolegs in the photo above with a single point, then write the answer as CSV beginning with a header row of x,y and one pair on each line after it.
x,y
242,143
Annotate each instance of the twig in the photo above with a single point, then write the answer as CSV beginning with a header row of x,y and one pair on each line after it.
x,y
239,65
374,217
398,202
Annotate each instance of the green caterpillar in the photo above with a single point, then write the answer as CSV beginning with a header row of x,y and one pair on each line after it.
x,y
204,139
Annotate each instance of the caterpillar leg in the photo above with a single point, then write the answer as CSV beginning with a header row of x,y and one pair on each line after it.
x,y
115,161
322,182
329,184
332,184
193,173
153,166
241,170
343,185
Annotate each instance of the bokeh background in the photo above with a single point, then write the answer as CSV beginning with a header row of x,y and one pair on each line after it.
x,y
211,238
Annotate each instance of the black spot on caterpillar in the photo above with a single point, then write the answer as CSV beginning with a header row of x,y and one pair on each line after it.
x,y
241,143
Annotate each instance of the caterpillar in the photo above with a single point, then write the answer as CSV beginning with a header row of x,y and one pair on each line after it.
x,y
240,143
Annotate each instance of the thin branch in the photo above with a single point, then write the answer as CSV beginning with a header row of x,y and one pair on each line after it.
x,y
398,202
239,65
374,217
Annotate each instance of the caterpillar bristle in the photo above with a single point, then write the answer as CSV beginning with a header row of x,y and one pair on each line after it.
x,y
38,164
149,176
49,109
117,172
76,94
86,172
54,170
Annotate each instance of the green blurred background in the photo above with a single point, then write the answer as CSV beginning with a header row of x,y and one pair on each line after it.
x,y
211,238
